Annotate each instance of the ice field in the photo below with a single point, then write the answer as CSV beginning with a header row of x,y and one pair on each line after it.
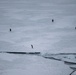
x,y
31,24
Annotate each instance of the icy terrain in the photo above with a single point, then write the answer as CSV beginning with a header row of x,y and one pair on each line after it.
x,y
31,24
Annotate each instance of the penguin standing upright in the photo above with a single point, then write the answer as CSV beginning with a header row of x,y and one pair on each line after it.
x,y
32,46
52,20
10,29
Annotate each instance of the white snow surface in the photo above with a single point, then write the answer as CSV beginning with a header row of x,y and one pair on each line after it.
x,y
30,21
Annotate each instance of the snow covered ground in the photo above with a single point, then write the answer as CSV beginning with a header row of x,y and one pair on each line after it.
x,y
31,23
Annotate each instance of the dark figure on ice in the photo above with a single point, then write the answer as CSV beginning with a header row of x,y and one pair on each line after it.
x,y
75,27
10,29
52,20
32,46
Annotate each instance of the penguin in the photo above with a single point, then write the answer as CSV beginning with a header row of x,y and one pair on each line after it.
x,y
32,46
10,29
52,20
